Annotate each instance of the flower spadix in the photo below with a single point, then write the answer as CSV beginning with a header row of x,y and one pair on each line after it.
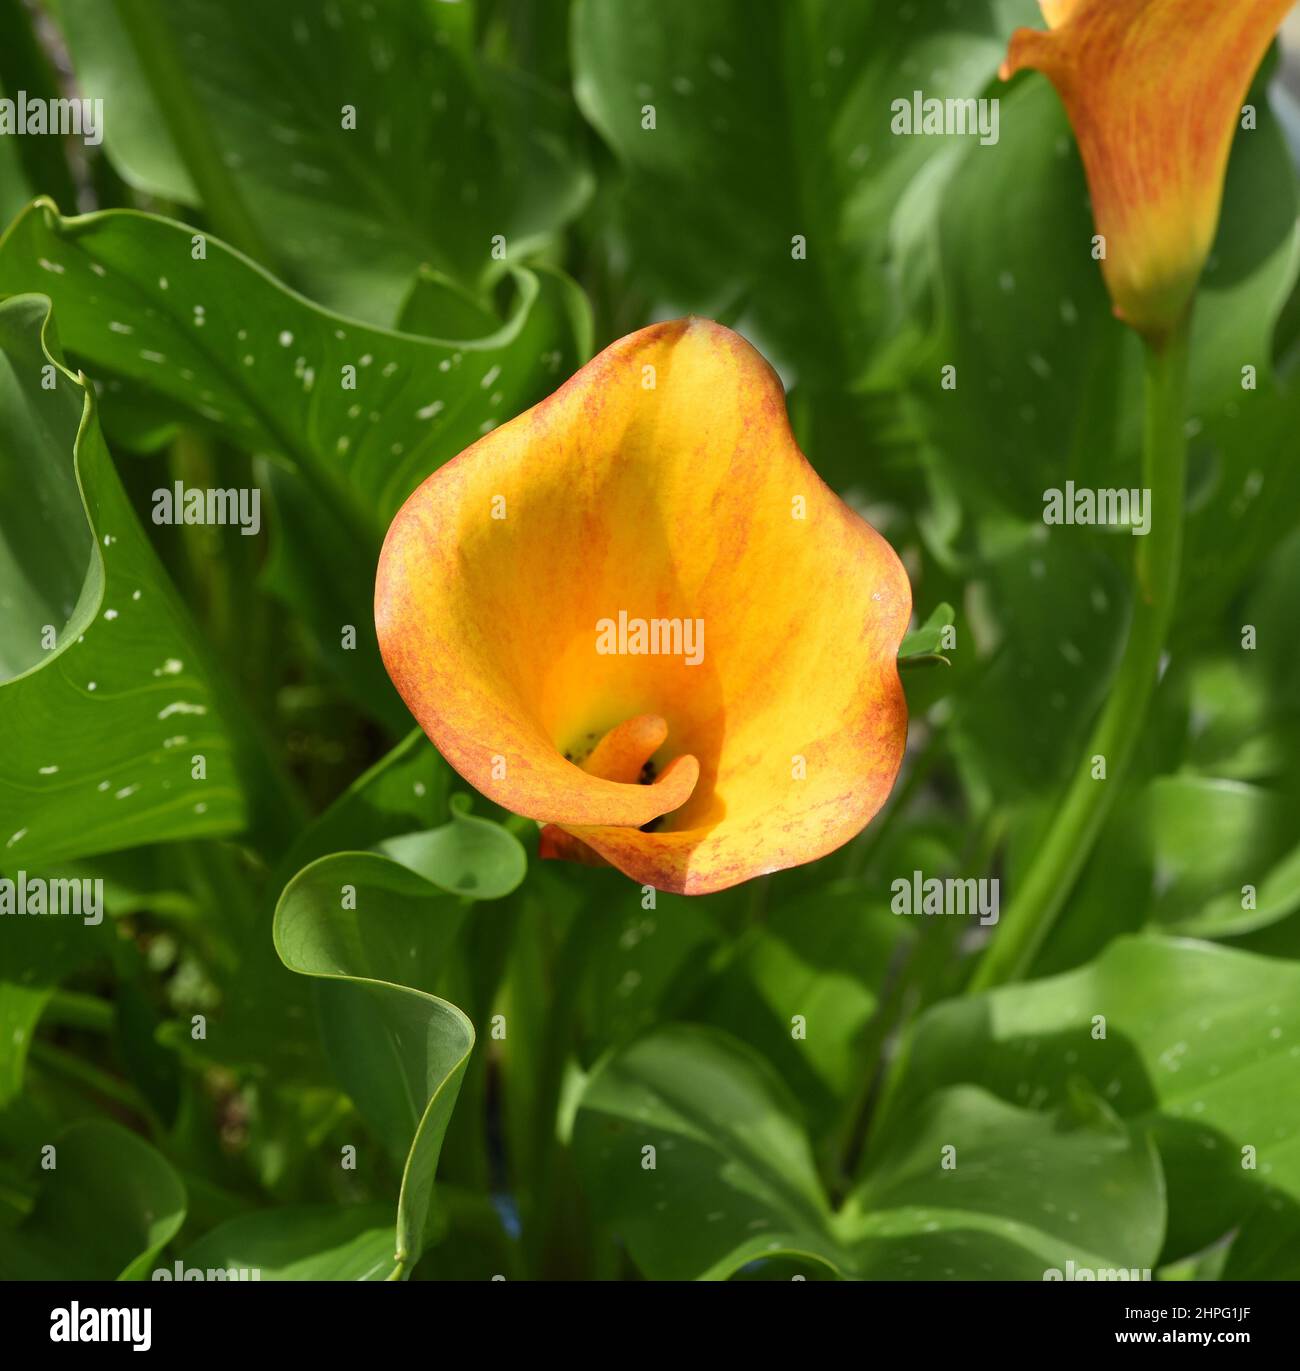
x,y
637,615
1154,91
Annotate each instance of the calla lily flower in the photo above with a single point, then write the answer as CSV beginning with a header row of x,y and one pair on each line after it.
x,y
1154,91
637,615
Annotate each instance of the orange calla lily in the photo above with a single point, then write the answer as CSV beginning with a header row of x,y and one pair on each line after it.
x,y
637,615
1154,91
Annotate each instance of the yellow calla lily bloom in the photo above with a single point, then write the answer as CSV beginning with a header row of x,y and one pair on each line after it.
x,y
637,615
1154,91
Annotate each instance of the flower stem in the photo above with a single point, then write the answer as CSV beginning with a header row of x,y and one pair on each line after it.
x,y
1055,866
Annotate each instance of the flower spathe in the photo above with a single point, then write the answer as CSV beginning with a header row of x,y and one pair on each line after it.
x,y
1154,92
661,488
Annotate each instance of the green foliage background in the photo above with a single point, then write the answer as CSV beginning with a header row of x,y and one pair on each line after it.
x,y
522,1029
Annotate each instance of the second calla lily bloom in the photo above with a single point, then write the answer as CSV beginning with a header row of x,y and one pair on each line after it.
x,y
636,614
1154,91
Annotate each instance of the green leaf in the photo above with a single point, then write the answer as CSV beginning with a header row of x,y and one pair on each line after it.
x,y
101,729
1267,1247
306,1243
691,1150
469,856
406,789
1052,618
922,644
971,1188
327,595
1276,898
787,122
1247,483
261,1025
819,960
436,307
109,1207
643,964
1035,394
733,1176
265,367
442,158
399,1051
1209,838
21,1008
1253,267
1200,1047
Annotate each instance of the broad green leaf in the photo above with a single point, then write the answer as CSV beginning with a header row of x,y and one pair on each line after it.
x,y
644,965
469,856
1195,855
803,988
1242,416
1256,256
1235,732
436,307
1267,1247
1036,364
266,368
331,597
971,1188
101,728
377,935
263,1022
690,1149
1053,614
442,157
298,1244
1045,385
787,122
105,1212
1276,897
1201,1046
406,789
731,1177
1210,838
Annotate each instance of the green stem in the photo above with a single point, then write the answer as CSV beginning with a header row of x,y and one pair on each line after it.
x,y
56,1060
71,1009
147,25
1059,858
